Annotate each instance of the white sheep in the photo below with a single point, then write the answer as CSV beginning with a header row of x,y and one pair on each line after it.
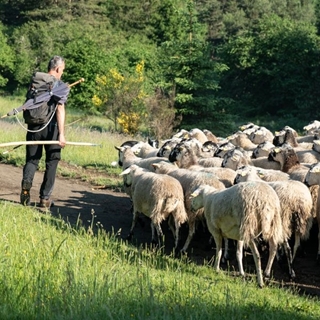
x,y
127,157
184,157
296,209
290,164
262,150
311,126
242,212
261,135
235,159
210,136
190,180
157,196
241,140
167,146
198,134
249,127
144,150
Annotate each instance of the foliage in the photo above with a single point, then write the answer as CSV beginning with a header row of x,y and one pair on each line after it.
x,y
275,72
121,98
214,61
6,58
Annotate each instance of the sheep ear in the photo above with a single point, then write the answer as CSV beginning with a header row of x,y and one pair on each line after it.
x,y
315,169
155,166
125,172
118,148
194,194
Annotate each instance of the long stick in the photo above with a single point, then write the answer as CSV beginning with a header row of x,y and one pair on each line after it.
x,y
70,143
73,84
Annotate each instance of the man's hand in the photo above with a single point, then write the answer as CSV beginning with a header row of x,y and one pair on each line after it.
x,y
62,140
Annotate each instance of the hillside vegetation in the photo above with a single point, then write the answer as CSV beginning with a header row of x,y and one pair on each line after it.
x,y
150,65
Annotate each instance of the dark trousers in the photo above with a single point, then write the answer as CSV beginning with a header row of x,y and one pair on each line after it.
x,y
34,154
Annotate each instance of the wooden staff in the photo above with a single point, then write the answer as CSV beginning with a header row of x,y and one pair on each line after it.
x,y
70,143
73,84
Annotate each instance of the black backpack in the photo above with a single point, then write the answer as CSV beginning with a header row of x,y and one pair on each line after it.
x,y
41,83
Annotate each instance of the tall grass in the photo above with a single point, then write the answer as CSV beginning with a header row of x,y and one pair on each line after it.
x,y
52,271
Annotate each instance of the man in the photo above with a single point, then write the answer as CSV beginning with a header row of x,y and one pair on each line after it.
x,y
53,131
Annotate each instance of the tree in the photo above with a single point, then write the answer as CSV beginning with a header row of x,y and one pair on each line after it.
x,y
6,59
275,71
191,75
121,98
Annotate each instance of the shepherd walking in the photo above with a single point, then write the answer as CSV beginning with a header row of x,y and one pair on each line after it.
x,y
50,129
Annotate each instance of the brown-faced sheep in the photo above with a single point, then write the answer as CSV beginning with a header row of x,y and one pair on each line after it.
x,y
157,196
242,212
287,136
289,162
189,180
296,209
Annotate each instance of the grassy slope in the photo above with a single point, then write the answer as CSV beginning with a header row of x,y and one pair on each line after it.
x,y
51,271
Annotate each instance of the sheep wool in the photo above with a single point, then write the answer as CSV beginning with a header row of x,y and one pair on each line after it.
x,y
156,196
242,212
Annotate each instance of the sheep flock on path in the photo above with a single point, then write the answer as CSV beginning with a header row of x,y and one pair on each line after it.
x,y
258,188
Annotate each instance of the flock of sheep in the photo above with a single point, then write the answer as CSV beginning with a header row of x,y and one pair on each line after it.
x,y
253,185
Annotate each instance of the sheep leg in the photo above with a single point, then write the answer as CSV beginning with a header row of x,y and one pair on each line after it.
x,y
191,225
159,233
226,250
177,227
218,240
272,253
239,255
287,250
257,261
133,224
172,225
296,245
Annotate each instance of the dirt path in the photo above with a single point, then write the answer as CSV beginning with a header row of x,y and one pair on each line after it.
x,y
75,199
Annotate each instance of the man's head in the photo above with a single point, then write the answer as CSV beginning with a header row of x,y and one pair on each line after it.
x,y
56,66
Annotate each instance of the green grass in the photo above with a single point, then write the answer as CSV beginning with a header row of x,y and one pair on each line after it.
x,y
53,271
